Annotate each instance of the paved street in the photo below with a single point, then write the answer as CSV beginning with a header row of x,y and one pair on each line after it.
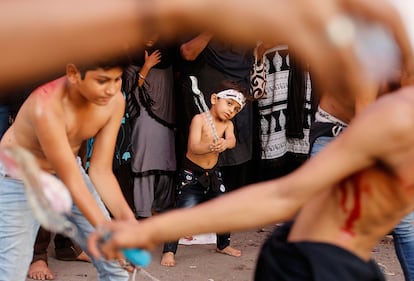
x,y
202,263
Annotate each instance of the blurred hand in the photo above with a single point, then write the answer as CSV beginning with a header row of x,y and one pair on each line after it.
x,y
152,59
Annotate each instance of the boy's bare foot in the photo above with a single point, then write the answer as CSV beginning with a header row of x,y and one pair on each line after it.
x,y
168,259
188,237
229,250
64,256
83,257
39,270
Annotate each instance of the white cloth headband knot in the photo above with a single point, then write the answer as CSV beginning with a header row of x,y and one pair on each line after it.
x,y
234,95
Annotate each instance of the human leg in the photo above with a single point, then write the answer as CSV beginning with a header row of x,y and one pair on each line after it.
x,y
39,269
189,194
223,242
126,181
223,246
67,250
143,195
41,244
164,193
18,229
168,253
403,235
223,239
107,270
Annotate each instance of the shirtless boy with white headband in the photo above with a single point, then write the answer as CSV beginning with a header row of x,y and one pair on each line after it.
x,y
200,179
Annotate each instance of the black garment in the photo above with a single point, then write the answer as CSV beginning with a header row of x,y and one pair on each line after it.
x,y
197,185
219,61
152,93
323,129
296,100
278,167
206,178
65,248
125,178
129,87
234,61
280,260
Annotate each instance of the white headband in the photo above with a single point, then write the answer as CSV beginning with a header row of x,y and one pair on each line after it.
x,y
234,95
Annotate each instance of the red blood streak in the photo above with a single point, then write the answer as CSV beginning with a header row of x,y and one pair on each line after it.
x,y
355,211
343,195
48,88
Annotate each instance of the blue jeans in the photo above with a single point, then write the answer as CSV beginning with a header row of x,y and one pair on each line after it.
x,y
404,245
403,233
319,144
18,230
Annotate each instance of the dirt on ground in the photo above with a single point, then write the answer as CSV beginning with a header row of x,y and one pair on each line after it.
x,y
202,263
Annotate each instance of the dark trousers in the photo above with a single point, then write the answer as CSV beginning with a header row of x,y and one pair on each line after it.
x,y
191,193
65,249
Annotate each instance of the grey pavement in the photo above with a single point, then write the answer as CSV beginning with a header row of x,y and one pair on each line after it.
x,y
202,263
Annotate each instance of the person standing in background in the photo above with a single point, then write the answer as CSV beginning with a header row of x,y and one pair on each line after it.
x,y
285,104
150,82
213,60
332,117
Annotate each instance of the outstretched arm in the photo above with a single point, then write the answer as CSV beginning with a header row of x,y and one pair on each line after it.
x,y
56,32
191,49
44,36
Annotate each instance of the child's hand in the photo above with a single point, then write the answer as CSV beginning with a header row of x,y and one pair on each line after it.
x,y
153,59
218,146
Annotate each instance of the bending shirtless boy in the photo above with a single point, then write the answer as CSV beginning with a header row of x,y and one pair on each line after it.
x,y
53,123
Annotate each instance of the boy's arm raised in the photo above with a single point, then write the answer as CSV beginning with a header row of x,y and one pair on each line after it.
x,y
82,34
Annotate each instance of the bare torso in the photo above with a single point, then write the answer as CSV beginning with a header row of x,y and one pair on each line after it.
x,y
356,213
80,122
208,160
361,209
344,107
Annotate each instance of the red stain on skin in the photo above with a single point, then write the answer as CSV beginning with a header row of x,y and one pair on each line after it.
x,y
342,188
46,89
353,208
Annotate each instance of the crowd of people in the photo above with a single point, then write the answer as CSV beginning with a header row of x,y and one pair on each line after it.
x,y
185,141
